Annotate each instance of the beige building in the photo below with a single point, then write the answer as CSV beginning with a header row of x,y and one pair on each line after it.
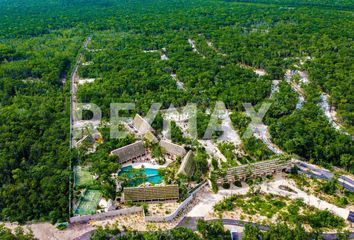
x,y
256,169
151,193
172,149
144,130
188,165
151,137
131,152
142,125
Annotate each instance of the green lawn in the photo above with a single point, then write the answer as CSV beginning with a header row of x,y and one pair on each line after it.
x,y
83,177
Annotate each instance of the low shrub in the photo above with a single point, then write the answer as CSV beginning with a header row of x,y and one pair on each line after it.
x,y
226,185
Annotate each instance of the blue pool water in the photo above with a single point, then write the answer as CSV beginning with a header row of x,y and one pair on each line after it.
x,y
152,175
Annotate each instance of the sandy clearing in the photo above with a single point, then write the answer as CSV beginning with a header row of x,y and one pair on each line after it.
x,y
261,132
86,80
46,231
273,187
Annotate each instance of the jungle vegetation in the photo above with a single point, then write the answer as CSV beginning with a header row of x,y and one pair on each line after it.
x,y
40,41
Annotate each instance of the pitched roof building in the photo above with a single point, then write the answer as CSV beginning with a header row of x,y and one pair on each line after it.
x,y
256,169
172,148
151,193
188,165
142,125
151,137
144,129
130,152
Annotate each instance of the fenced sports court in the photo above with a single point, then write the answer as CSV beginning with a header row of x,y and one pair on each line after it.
x,y
88,202
82,177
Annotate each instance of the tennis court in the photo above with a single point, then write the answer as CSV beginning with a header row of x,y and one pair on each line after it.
x,y
88,203
83,177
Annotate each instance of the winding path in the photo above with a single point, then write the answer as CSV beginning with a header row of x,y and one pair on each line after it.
x,y
295,86
201,210
208,200
331,114
192,43
260,131
328,110
179,84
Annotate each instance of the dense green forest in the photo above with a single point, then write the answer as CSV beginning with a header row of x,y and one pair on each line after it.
x,y
34,147
336,4
215,231
40,41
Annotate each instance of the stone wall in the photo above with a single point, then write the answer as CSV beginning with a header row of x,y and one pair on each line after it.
x,y
104,215
181,207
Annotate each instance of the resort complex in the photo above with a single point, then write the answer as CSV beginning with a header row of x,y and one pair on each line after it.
x,y
158,171
170,178
172,181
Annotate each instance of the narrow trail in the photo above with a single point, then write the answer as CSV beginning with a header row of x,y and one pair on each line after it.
x,y
211,46
295,86
164,57
229,133
331,114
274,188
207,200
179,84
275,87
258,71
193,45
162,52
76,124
73,90
328,110
212,149
261,132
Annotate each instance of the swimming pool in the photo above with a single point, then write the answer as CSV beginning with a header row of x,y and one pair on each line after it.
x,y
152,175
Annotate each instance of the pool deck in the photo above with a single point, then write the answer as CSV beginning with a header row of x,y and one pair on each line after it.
x,y
151,165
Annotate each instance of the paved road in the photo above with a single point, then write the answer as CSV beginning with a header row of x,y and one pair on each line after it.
x,y
191,223
85,236
321,173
